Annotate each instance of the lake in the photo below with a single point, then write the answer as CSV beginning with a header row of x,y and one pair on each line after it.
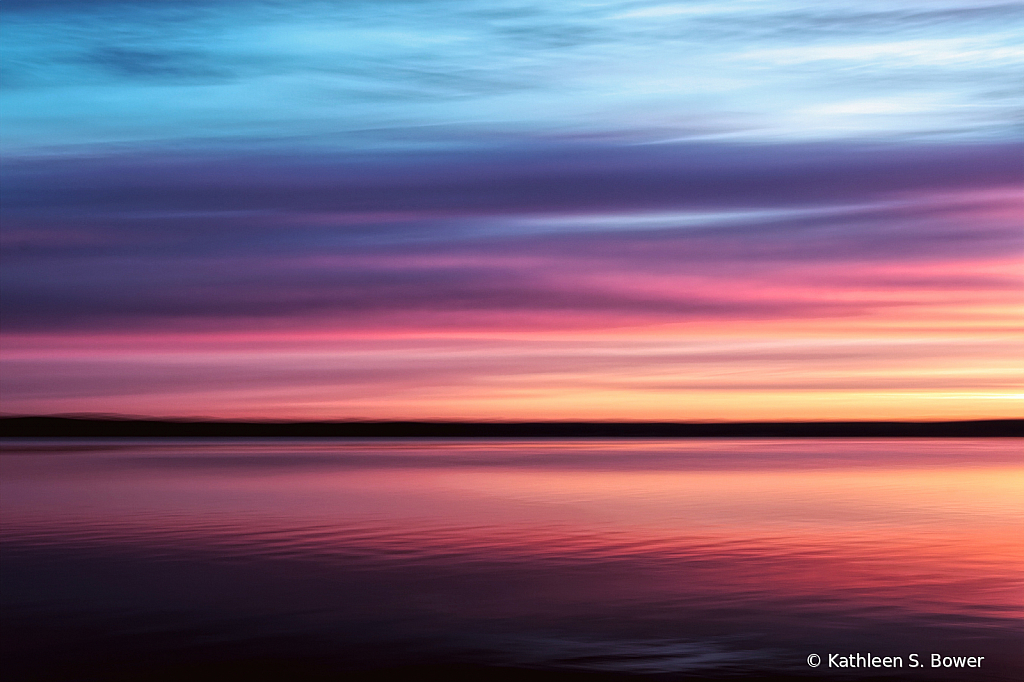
x,y
515,559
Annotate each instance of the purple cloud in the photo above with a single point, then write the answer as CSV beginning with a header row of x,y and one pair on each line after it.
x,y
674,233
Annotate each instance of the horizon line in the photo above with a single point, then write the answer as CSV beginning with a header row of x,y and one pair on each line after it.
x,y
111,426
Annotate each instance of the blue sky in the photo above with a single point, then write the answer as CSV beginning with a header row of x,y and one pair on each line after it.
x,y
370,75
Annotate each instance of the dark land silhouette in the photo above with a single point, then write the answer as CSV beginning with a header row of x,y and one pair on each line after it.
x,y
117,427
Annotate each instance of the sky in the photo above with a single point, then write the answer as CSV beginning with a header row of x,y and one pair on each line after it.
x,y
508,210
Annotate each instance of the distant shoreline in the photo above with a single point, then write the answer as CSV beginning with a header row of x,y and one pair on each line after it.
x,y
74,427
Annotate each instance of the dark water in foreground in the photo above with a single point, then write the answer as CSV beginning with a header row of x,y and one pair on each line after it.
x,y
715,559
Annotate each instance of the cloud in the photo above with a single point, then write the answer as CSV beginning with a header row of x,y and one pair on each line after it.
x,y
383,74
174,65
595,233
759,272
533,176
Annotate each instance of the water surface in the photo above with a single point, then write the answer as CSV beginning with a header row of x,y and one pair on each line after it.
x,y
692,558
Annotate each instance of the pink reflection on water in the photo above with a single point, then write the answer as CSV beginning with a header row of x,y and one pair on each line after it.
x,y
898,526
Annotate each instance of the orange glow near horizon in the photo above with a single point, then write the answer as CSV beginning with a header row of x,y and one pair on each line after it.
x,y
646,374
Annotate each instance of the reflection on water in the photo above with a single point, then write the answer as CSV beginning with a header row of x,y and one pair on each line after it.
x,y
719,558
